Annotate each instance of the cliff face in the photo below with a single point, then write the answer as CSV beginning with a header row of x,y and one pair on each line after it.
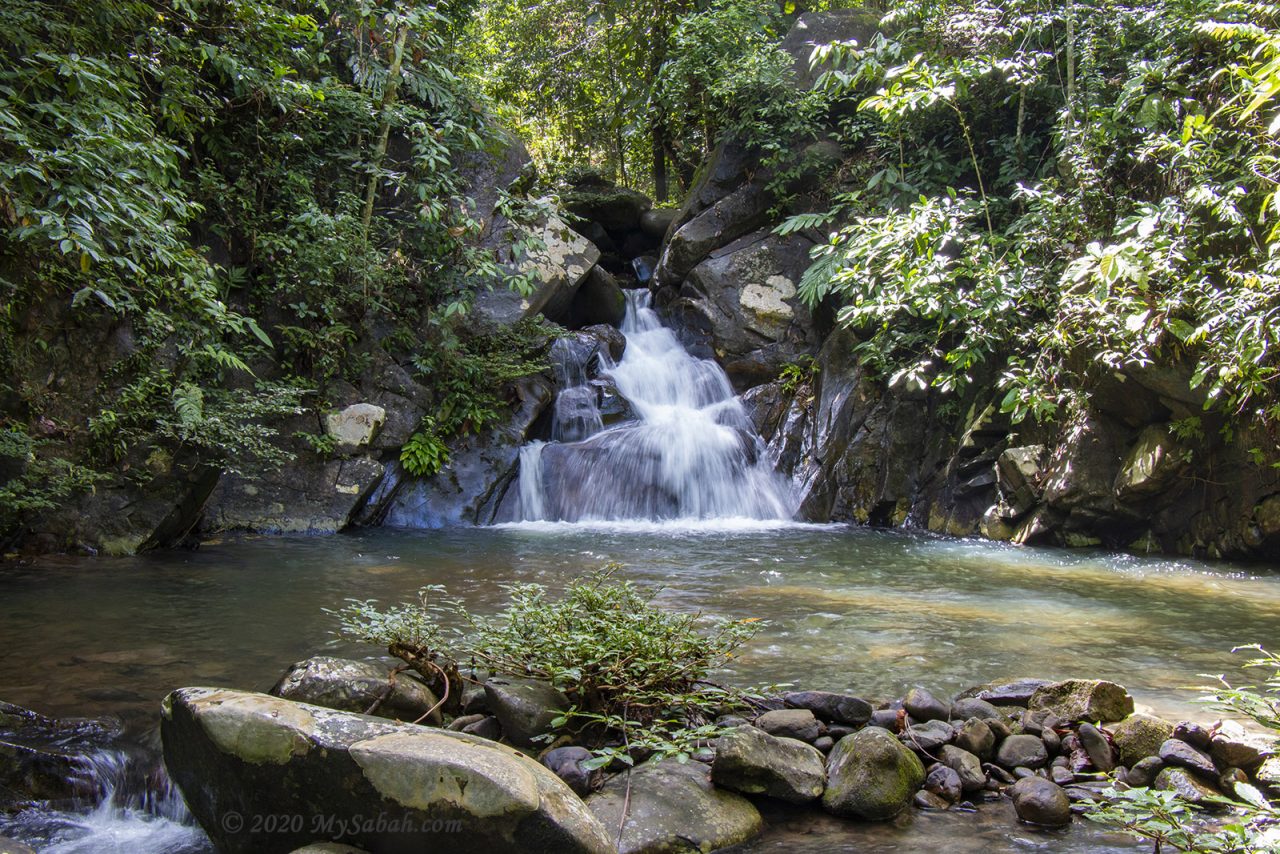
x,y
862,449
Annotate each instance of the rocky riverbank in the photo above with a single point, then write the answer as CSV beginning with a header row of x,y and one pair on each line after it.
x,y
305,765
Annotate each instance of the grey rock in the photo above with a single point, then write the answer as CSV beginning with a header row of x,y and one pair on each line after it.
x,y
616,209
1040,801
926,800
461,722
967,766
928,737
1061,775
1096,746
1143,773
672,807
524,707
599,300
13,846
923,706
1013,692
976,737
240,752
1234,746
831,707
871,775
972,707
825,743
944,782
1193,734
566,763
1186,784
791,723
885,719
354,686
1084,700
1052,741
487,727
1024,751
655,223
1182,755
750,761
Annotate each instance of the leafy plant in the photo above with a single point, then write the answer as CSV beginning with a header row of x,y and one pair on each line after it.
x,y
636,675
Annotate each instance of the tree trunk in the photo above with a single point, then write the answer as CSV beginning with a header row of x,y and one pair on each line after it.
x,y
384,130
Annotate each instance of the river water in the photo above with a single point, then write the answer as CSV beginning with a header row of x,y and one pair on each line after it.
x,y
848,609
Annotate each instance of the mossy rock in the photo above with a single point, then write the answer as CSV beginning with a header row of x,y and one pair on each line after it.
x,y
1139,736
871,775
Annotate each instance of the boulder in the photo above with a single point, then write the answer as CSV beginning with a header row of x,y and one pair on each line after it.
x,y
1096,747
967,766
1187,786
739,213
355,426
744,296
871,775
750,761
972,707
13,846
1039,801
656,222
1014,692
524,707
1022,751
1143,773
923,706
673,807
1182,755
975,736
355,686
859,25
1152,466
791,723
246,754
320,497
928,737
41,758
566,763
616,209
945,783
834,708
1235,747
555,271
1084,700
598,301
1139,736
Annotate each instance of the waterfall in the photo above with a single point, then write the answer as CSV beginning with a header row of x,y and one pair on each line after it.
x,y
691,454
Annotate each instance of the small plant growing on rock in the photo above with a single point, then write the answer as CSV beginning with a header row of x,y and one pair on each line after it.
x,y
636,675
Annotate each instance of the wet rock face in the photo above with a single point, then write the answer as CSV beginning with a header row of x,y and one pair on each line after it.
x,y
244,754
673,807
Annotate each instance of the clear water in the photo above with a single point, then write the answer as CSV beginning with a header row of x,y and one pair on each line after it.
x,y
848,609
691,454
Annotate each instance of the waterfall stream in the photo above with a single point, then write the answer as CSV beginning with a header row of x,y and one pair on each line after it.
x,y
691,453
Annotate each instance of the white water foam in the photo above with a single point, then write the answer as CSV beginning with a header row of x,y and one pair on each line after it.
x,y
691,458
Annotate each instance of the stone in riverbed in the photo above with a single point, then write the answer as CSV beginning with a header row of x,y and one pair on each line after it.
x,y
1010,692
566,763
972,707
1039,801
1143,773
487,727
1084,700
835,708
926,800
1139,736
750,761
1182,755
885,719
967,766
13,846
1235,747
524,707
1193,734
1183,782
945,783
1022,751
928,737
871,775
673,808
236,752
923,706
354,686
791,723
976,737
1096,747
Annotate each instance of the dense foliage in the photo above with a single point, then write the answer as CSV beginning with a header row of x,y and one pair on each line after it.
x,y
636,675
233,193
1054,194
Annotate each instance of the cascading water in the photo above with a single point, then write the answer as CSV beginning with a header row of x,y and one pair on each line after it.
x,y
692,453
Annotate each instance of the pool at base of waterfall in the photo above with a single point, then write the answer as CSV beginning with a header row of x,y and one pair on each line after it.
x,y
848,609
